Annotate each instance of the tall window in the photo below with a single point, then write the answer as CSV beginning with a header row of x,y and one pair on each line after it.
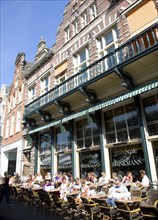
x,y
75,27
63,138
93,11
59,79
18,123
67,34
81,60
87,133
14,100
151,113
12,125
121,124
7,128
44,84
107,43
84,19
31,93
19,97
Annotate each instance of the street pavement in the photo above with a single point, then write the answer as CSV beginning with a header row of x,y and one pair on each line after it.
x,y
17,211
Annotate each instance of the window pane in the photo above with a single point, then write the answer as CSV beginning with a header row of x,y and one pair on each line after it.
x,y
80,144
110,138
108,38
131,115
153,129
120,118
88,142
82,56
122,136
80,134
134,133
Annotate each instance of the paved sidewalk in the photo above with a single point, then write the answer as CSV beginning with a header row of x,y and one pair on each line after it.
x,y
17,211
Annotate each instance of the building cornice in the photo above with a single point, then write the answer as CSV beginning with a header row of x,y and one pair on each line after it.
x,y
40,63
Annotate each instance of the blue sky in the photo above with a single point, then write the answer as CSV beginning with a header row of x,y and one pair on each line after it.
x,y
22,24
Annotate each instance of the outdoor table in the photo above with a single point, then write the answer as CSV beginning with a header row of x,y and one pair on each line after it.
x,y
54,191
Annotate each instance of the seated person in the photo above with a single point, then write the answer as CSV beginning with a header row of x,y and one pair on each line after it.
x,y
48,176
118,191
128,179
103,180
77,186
84,189
145,180
63,188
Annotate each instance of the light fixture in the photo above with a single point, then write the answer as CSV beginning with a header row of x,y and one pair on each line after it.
x,y
124,85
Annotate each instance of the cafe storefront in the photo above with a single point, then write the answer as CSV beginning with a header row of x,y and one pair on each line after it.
x,y
90,161
127,158
45,152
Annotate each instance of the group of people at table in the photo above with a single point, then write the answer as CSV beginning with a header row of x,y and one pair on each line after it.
x,y
118,187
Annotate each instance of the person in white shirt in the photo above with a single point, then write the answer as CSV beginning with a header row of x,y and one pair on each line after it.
x,y
103,179
118,191
145,180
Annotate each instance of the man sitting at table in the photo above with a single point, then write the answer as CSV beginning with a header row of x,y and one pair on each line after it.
x,y
118,191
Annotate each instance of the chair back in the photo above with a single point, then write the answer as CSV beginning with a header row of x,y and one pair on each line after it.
x,y
153,196
103,202
122,205
136,193
149,212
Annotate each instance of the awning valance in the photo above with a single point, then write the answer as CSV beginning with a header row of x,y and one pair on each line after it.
x,y
127,95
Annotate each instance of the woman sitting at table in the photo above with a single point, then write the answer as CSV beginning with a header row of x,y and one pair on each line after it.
x,y
128,179
84,188
118,191
48,176
103,180
77,186
63,188
71,184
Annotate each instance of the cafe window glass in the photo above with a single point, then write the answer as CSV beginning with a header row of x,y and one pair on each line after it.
x,y
151,114
121,124
64,162
87,132
90,162
129,158
63,138
45,152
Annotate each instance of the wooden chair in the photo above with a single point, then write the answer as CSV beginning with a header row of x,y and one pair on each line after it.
x,y
107,210
75,206
127,211
61,207
149,212
153,196
92,209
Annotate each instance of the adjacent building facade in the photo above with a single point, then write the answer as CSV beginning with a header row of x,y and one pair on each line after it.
x,y
12,142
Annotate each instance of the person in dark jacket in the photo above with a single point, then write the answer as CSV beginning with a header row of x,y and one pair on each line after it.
x,y
5,190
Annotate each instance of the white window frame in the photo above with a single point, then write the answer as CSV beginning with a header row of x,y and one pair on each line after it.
x,y
7,128
67,34
77,60
12,125
94,12
75,27
31,93
18,121
45,88
104,50
84,18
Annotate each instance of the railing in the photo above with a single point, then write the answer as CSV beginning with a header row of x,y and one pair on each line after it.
x,y
141,43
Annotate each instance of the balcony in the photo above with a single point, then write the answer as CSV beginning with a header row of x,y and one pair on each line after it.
x,y
144,43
